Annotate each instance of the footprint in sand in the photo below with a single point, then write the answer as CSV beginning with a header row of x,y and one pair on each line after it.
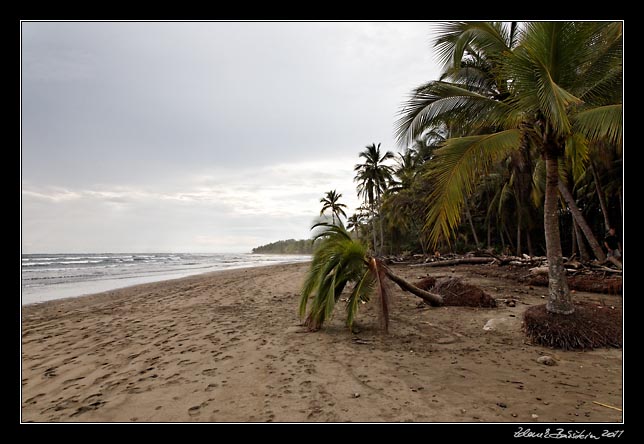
x,y
33,399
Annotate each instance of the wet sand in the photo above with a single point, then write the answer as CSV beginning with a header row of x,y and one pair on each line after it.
x,y
228,346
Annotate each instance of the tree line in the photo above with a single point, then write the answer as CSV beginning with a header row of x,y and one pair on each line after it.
x,y
517,148
289,246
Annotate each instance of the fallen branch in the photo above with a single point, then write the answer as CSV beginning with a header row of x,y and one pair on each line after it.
x,y
465,260
614,261
606,269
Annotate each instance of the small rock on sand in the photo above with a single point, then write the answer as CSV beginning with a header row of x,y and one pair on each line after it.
x,y
546,360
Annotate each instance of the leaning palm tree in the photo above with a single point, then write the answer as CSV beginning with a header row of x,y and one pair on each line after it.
x,y
340,260
560,87
373,176
331,202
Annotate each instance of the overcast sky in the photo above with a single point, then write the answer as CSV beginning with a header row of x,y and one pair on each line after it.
x,y
202,137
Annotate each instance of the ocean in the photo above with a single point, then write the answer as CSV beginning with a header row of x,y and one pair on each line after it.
x,y
47,277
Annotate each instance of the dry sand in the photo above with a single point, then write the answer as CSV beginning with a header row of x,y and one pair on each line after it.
x,y
228,347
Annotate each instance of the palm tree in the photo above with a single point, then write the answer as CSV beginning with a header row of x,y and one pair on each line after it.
x,y
340,260
560,87
372,177
330,201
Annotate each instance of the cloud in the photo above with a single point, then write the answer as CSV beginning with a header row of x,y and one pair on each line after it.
x,y
245,208
151,136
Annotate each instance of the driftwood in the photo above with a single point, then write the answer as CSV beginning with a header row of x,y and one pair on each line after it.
x,y
592,283
465,260
606,269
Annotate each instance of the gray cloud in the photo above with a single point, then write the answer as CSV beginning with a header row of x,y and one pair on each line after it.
x,y
240,124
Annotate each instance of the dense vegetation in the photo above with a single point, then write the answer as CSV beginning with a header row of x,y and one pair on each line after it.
x,y
289,246
516,148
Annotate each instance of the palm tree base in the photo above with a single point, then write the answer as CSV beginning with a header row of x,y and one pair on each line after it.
x,y
589,326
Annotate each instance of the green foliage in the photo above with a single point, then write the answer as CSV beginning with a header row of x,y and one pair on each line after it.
x,y
289,246
555,86
339,260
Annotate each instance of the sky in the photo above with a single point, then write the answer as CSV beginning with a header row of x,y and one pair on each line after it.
x,y
202,136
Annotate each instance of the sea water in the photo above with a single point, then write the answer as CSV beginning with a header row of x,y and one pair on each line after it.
x,y
54,276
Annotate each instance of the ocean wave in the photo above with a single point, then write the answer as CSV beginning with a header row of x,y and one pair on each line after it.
x,y
79,262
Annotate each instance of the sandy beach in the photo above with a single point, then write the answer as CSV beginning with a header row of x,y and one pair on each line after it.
x,y
228,346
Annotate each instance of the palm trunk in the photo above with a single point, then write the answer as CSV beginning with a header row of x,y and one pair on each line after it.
x,y
529,239
382,234
600,196
581,245
581,221
573,237
469,217
559,298
380,219
489,233
502,241
509,237
373,230
420,238
519,232
432,299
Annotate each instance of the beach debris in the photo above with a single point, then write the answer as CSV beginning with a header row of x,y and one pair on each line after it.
x,y
607,406
546,360
495,323
503,405
464,260
455,291
356,395
357,340
534,416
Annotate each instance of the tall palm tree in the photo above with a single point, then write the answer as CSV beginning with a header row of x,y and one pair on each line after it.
x,y
561,83
331,202
373,176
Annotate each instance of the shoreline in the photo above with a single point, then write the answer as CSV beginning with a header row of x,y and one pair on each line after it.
x,y
229,347
91,287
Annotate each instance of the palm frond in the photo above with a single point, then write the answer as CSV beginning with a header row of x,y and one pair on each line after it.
x,y
504,197
360,293
600,123
538,183
455,38
577,152
337,261
455,169
436,101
